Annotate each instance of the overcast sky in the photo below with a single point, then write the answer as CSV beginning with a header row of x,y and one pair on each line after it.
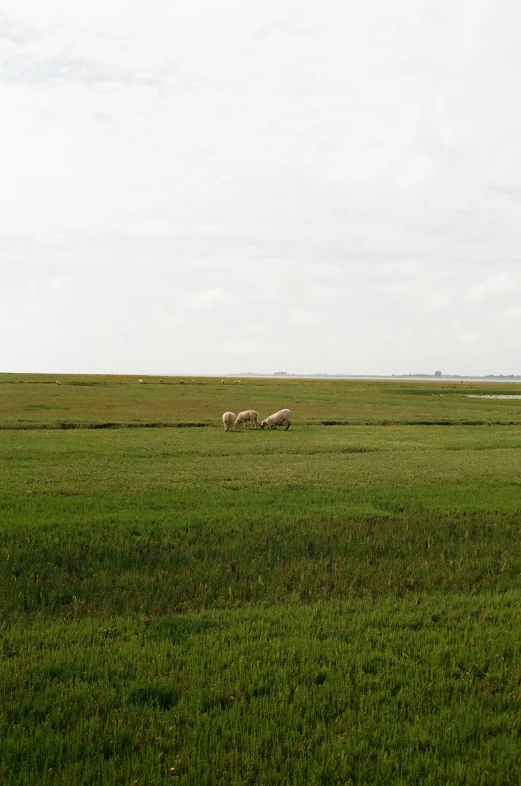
x,y
202,187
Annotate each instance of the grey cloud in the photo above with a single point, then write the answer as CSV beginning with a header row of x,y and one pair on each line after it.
x,y
30,70
16,31
510,193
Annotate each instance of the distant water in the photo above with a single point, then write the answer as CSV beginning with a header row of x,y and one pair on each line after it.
x,y
476,395
383,378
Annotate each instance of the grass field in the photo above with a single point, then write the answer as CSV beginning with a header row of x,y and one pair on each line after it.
x,y
334,604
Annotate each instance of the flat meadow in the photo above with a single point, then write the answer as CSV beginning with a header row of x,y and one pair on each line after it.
x,y
339,603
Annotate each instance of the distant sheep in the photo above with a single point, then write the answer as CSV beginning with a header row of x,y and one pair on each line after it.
x,y
228,421
58,382
140,380
193,380
237,382
181,382
283,416
249,415
222,382
161,381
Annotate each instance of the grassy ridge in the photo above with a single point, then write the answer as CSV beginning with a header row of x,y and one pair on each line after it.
x,y
323,605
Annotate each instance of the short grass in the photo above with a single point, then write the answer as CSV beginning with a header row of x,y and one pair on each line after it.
x,y
331,604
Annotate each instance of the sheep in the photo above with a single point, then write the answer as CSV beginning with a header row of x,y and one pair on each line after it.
x,y
222,382
193,380
161,381
181,382
140,380
248,415
237,382
58,382
283,416
228,421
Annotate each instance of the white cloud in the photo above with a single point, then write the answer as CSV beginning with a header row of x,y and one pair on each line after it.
x,y
206,300
200,175
509,315
466,337
239,349
438,302
496,288
305,319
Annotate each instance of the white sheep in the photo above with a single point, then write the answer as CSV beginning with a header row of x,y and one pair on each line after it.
x,y
248,415
228,421
283,416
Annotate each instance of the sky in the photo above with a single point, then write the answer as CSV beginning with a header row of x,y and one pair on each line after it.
x,y
215,188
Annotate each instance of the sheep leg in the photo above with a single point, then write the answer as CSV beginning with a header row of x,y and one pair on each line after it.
x,y
287,427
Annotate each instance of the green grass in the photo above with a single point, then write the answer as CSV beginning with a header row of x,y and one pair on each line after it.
x,y
332,604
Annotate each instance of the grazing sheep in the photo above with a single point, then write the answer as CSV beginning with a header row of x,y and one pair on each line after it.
x,y
283,416
228,421
237,382
248,415
58,382
161,381
193,380
140,380
181,382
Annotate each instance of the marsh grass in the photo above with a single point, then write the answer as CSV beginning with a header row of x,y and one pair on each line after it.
x,y
324,605
87,401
